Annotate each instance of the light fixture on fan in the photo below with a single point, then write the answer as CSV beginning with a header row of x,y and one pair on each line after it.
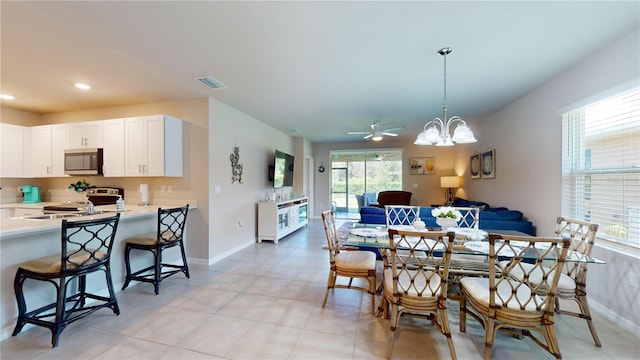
x,y
377,135
431,135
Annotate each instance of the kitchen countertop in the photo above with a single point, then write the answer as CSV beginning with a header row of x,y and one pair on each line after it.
x,y
11,227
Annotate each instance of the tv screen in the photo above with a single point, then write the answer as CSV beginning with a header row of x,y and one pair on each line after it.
x,y
282,169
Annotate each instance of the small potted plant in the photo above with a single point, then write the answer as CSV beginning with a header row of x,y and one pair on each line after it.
x,y
446,217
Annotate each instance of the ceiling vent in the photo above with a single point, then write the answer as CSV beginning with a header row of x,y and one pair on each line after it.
x,y
211,83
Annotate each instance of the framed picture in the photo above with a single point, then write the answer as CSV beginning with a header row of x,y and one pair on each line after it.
x,y
422,166
489,164
474,165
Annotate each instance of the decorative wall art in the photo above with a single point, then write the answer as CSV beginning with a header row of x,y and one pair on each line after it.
x,y
489,164
236,169
422,166
475,165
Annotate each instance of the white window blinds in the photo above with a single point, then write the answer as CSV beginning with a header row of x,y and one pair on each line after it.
x,y
601,166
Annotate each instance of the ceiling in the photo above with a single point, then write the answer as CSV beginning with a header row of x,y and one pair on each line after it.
x,y
311,69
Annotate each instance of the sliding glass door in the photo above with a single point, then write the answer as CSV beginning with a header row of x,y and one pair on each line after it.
x,y
358,176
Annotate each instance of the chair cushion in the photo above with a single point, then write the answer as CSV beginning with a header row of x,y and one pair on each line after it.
x,y
420,283
478,288
52,264
149,238
356,260
565,282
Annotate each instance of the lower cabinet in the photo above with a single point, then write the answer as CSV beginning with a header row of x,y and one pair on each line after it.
x,y
279,219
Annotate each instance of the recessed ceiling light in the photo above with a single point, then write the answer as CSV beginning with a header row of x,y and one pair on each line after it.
x,y
6,97
83,86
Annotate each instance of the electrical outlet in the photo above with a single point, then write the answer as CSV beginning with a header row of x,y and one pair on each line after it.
x,y
633,280
168,188
163,188
240,224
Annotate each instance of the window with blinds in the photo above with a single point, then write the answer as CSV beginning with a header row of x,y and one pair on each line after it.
x,y
601,166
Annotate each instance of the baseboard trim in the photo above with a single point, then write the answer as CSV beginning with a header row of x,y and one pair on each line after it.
x,y
614,317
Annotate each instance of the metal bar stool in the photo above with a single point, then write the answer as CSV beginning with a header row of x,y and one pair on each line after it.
x,y
171,223
86,248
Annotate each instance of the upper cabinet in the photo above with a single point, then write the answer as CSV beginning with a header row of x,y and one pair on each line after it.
x,y
88,134
113,149
12,147
153,146
46,145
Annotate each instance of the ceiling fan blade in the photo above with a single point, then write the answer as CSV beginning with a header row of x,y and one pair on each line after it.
x,y
358,132
389,134
368,136
394,129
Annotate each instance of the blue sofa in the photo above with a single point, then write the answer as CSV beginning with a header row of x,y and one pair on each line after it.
x,y
498,218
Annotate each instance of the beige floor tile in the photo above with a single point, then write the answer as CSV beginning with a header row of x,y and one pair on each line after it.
x,y
337,320
175,353
131,348
217,335
315,345
265,341
171,325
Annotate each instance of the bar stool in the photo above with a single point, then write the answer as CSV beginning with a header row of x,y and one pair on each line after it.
x,y
171,223
86,248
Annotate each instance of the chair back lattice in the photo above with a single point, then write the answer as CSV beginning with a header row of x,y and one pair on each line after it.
x,y
329,221
582,236
470,217
420,262
401,214
171,224
517,278
87,244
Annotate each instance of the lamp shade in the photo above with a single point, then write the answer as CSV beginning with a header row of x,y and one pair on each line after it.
x,y
450,182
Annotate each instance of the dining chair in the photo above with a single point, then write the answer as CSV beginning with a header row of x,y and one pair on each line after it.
x,y
85,249
466,265
416,281
573,281
401,214
347,263
170,233
517,294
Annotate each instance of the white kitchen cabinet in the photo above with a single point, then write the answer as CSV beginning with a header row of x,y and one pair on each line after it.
x,y
12,147
88,134
279,219
153,146
113,147
46,147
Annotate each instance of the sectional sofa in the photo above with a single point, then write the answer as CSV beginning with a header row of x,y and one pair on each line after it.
x,y
491,218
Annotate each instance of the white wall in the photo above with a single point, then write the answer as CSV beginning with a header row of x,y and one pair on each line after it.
x,y
236,202
527,138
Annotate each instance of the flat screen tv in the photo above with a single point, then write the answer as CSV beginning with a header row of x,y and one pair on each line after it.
x,y
282,169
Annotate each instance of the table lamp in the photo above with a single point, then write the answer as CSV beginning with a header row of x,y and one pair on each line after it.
x,y
449,183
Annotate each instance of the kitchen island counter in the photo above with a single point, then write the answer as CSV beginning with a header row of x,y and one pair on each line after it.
x,y
27,239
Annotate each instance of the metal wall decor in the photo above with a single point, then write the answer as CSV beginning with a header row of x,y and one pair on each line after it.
x,y
236,169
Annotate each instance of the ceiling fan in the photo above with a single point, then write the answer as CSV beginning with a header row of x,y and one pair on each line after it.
x,y
376,133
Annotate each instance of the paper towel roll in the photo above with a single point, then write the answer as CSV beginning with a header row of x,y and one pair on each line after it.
x,y
144,194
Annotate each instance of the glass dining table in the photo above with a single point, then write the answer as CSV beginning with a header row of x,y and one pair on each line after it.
x,y
469,242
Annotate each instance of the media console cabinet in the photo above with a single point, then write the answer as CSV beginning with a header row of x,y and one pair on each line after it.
x,y
279,219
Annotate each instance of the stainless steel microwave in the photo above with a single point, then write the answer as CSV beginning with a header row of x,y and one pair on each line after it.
x,y
83,161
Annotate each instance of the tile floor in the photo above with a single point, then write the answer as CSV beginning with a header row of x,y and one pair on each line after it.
x,y
264,303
